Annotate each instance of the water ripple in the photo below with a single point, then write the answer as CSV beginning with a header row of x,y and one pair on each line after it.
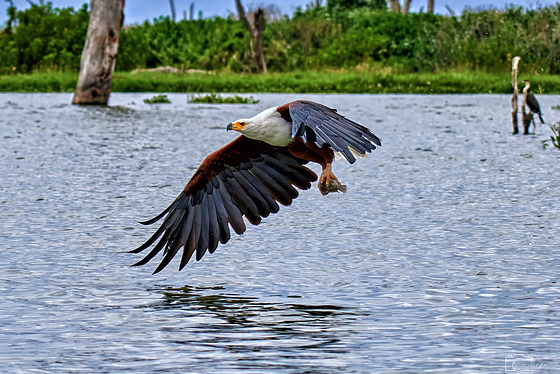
x,y
442,257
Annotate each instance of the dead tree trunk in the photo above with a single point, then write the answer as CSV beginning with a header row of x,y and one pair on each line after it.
x,y
256,31
98,57
396,6
431,6
406,6
258,51
514,106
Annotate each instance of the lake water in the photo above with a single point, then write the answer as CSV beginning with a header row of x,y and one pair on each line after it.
x,y
444,255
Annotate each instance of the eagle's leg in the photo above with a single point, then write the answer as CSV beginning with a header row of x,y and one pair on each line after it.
x,y
323,156
328,182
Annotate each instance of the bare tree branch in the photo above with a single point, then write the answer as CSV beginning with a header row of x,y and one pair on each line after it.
x,y
406,6
451,12
172,4
242,15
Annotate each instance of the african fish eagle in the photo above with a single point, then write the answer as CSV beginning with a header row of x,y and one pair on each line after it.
x,y
252,174
531,101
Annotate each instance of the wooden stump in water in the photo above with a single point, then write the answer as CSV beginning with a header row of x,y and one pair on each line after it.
x,y
527,118
98,57
514,106
514,114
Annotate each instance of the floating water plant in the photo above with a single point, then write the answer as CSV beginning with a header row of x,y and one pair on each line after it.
x,y
554,139
555,128
158,99
214,98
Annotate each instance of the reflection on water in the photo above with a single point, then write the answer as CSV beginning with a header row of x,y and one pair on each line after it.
x,y
236,304
290,325
442,257
276,333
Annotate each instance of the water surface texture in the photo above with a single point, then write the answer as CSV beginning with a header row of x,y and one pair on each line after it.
x,y
442,257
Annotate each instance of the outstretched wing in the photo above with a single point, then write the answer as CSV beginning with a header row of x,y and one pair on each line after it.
x,y
316,123
244,178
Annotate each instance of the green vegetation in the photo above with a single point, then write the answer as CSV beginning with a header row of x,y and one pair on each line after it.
x,y
158,99
345,35
214,98
39,82
294,82
43,39
345,47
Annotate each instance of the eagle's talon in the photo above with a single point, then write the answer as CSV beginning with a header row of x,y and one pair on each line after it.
x,y
329,183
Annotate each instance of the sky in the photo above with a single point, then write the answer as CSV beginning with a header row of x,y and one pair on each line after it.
x,y
136,11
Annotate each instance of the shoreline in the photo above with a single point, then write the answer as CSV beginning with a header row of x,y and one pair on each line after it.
x,y
292,82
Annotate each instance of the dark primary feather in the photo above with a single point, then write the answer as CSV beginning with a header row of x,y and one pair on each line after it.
x,y
316,123
245,178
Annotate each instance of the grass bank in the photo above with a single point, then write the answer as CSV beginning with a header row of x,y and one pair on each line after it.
x,y
295,82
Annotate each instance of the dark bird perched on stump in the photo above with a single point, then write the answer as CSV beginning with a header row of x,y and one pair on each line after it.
x,y
252,174
531,101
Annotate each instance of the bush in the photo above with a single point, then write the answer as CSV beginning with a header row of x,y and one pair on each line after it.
x,y
44,39
346,35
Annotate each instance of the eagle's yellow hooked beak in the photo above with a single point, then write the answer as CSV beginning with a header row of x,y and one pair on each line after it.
x,y
237,126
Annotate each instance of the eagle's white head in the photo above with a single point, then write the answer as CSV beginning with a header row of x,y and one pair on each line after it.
x,y
267,126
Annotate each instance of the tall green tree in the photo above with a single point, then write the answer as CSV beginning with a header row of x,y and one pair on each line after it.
x,y
42,38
